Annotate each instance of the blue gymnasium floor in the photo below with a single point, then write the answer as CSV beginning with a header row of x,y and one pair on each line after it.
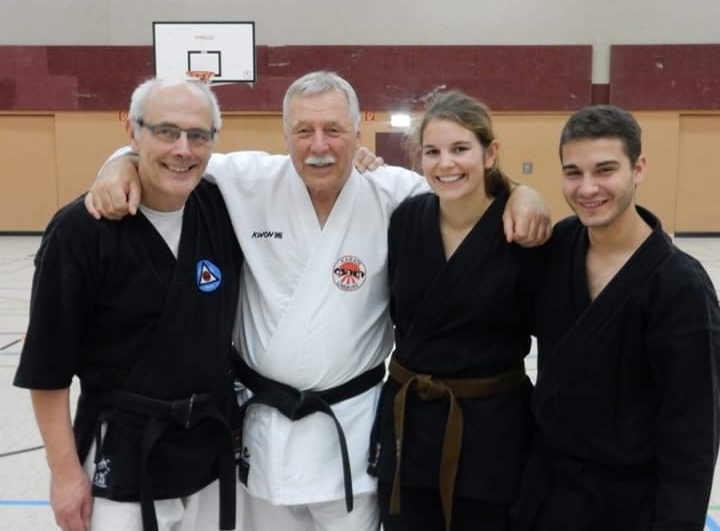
x,y
24,478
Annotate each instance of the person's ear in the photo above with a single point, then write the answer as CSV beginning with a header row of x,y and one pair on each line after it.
x,y
639,169
130,130
491,153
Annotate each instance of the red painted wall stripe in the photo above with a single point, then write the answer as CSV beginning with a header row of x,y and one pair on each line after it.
x,y
525,78
665,77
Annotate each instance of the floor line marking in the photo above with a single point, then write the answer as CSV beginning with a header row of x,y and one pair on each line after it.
x,y
21,451
24,502
12,343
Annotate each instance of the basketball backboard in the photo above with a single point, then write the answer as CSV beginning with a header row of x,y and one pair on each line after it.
x,y
227,49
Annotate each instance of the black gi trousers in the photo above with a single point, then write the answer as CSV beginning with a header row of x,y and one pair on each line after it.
x,y
421,510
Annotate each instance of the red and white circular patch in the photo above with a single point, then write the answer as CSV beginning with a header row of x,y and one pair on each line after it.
x,y
349,273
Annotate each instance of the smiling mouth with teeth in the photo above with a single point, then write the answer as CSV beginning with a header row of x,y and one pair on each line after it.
x,y
592,204
178,169
449,178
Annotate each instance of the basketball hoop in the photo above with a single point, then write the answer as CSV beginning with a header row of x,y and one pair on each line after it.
x,y
204,76
209,52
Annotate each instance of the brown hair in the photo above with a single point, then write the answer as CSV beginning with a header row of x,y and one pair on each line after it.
x,y
469,113
604,121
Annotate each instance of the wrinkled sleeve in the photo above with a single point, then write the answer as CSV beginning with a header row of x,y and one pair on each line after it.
x,y
60,306
683,347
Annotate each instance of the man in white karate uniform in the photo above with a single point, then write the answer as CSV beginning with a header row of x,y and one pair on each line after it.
x,y
312,328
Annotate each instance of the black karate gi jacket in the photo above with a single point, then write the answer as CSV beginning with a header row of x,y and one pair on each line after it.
x,y
466,317
627,393
111,305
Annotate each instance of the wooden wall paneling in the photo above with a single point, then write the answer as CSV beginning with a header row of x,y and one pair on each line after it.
x,y
526,138
84,139
264,132
50,161
698,175
257,132
535,139
28,187
660,138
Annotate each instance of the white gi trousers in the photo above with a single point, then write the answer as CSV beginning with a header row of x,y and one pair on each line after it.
x,y
257,514
197,512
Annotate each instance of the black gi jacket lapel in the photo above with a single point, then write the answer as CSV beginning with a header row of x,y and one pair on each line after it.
x,y
575,347
163,355
477,247
173,364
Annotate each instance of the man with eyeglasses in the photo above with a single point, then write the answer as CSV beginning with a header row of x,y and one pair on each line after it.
x,y
141,311
196,136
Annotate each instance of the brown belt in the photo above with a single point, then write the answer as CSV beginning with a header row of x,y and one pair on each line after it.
x,y
429,388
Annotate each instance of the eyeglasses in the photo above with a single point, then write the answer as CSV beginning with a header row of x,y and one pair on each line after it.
x,y
169,133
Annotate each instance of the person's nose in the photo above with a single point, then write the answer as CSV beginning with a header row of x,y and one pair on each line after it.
x,y
446,160
181,146
588,186
319,142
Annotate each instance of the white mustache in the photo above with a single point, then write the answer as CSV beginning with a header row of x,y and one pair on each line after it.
x,y
316,161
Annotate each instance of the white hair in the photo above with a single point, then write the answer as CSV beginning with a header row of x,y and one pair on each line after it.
x,y
318,83
145,89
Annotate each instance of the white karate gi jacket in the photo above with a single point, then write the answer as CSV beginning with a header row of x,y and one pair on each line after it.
x,y
313,313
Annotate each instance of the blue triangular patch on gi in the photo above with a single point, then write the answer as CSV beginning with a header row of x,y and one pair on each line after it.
x,y
208,276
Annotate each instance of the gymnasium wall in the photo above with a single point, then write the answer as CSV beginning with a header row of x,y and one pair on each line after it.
x,y
65,77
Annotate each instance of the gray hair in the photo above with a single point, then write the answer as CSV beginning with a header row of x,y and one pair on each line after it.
x,y
145,89
318,83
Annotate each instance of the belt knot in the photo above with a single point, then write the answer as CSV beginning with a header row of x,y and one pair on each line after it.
x,y
426,388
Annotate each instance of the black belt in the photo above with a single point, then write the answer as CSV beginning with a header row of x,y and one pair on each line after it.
x,y
295,404
161,415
